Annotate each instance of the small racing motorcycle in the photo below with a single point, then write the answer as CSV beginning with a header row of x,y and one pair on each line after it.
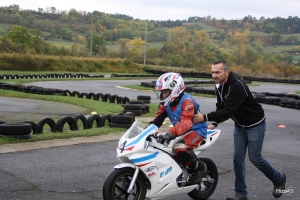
x,y
149,170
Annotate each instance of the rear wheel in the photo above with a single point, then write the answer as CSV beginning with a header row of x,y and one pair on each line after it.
x,y
208,183
117,184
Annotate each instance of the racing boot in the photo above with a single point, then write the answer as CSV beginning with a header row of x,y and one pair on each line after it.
x,y
198,168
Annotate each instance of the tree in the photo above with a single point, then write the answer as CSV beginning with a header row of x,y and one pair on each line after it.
x,y
1,30
136,51
256,66
123,47
179,36
223,54
268,69
38,42
17,18
40,10
98,45
20,35
241,38
201,41
152,53
53,10
259,46
74,49
275,38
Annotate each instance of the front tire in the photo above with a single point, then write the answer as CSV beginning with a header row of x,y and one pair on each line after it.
x,y
206,188
117,183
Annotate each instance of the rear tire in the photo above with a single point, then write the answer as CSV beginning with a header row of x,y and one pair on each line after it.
x,y
116,185
206,188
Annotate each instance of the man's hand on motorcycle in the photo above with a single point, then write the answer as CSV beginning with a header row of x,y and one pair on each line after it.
x,y
162,138
211,126
199,117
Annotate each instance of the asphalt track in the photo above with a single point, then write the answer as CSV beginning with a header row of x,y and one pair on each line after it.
x,y
78,171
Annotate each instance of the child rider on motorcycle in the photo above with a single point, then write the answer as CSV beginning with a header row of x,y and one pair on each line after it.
x,y
180,108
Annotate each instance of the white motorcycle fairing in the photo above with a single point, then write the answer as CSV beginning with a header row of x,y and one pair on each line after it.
x,y
156,161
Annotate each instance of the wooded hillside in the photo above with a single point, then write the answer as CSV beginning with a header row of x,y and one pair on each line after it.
x,y
254,47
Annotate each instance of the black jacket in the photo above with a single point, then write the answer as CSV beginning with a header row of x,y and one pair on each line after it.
x,y
236,101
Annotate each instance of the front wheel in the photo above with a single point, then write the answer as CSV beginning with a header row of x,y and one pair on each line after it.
x,y
117,183
208,183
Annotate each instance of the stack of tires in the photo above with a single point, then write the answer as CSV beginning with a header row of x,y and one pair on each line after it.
x,y
122,120
297,106
136,107
15,130
144,99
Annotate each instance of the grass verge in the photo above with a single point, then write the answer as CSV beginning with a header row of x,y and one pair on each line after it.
x,y
50,136
98,106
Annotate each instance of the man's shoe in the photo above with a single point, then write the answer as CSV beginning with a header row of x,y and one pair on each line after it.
x,y
197,176
198,173
236,197
279,188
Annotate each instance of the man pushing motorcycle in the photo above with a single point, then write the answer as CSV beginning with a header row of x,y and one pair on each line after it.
x,y
180,109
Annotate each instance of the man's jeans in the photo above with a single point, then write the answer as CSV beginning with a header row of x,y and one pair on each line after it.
x,y
253,138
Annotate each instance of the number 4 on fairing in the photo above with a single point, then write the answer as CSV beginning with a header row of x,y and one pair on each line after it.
x,y
122,146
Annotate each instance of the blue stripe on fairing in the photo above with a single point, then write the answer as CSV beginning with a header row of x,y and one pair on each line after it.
x,y
210,132
144,158
149,129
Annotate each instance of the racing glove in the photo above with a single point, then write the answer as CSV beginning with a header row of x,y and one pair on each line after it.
x,y
165,137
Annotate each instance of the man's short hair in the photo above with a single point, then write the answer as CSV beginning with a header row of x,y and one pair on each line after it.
x,y
224,64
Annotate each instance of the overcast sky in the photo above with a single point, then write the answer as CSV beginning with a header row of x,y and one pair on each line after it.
x,y
171,9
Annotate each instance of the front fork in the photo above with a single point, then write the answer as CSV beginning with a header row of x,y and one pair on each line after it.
x,y
135,175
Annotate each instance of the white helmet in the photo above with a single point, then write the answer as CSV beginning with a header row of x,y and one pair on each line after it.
x,y
169,81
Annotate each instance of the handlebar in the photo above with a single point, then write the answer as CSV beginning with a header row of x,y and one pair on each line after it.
x,y
149,139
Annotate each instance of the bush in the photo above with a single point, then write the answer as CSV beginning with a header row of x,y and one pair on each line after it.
x,y
26,62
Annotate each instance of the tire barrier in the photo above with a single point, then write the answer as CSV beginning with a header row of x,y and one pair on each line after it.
x,y
136,107
26,129
189,89
280,99
130,113
246,79
107,97
51,91
66,75
94,118
34,127
83,120
122,120
49,122
93,96
66,120
134,75
16,130
105,118
83,95
144,99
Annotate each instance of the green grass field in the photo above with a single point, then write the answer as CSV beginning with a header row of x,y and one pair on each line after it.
x,y
65,44
6,27
205,26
